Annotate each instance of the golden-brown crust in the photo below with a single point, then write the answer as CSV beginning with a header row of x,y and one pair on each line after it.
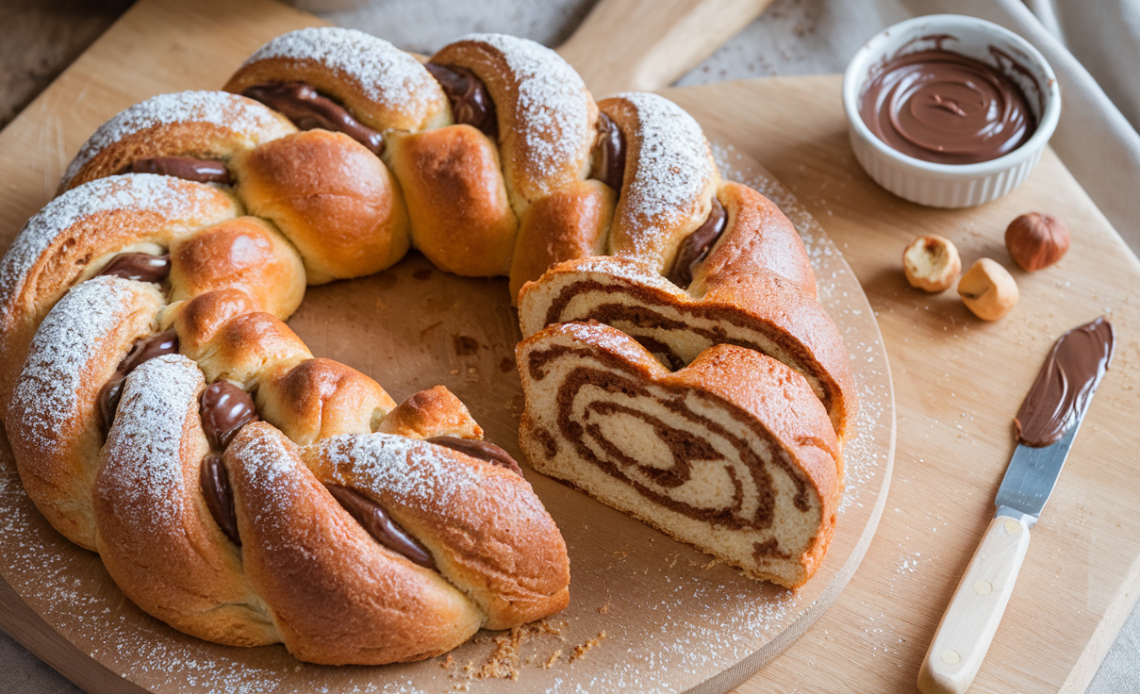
x,y
801,326
337,595
247,124
245,253
373,97
432,412
546,116
62,248
757,236
56,436
197,320
320,398
573,222
248,345
509,558
155,533
461,218
667,189
332,198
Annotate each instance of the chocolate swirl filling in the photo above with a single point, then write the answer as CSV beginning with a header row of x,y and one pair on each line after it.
x,y
144,349
695,248
380,525
1065,384
219,496
309,110
608,165
470,101
753,494
483,450
140,267
225,410
188,168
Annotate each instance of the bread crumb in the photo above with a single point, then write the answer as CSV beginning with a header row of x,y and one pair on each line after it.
x,y
448,663
552,659
604,609
585,647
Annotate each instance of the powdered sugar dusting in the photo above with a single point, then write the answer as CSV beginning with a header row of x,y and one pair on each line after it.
x,y
234,113
171,198
144,446
74,330
408,468
388,76
553,104
674,164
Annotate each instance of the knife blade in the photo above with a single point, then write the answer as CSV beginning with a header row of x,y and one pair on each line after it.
x,y
1047,424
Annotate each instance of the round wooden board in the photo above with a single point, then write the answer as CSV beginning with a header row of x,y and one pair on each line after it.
x,y
646,613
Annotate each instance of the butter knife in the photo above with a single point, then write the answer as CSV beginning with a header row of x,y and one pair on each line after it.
x,y
1047,423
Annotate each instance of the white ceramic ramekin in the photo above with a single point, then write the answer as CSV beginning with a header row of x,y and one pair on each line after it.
x,y
951,185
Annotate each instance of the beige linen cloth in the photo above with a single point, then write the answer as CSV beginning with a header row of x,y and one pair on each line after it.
x,y
795,37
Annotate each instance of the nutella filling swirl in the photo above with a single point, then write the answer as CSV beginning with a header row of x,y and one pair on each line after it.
x,y
696,246
609,154
188,168
225,410
380,525
144,349
470,101
140,267
1065,384
483,450
309,110
219,496
943,107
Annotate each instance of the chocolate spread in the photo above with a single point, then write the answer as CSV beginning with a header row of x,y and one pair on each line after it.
x,y
943,107
141,267
483,450
609,154
188,168
225,410
381,526
696,246
1065,384
142,350
219,496
471,103
309,110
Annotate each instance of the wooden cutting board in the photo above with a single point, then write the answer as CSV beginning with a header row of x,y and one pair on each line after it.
x,y
958,382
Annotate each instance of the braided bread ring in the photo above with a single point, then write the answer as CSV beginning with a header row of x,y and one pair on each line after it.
x,y
534,201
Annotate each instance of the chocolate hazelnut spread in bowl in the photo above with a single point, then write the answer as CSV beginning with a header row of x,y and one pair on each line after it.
x,y
948,110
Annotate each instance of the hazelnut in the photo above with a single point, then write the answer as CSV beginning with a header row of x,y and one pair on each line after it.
x,y
988,290
931,263
1036,240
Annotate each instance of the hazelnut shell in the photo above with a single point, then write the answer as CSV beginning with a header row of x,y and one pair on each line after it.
x,y
1037,240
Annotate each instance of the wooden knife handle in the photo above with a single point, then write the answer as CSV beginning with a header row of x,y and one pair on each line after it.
x,y
968,626
645,45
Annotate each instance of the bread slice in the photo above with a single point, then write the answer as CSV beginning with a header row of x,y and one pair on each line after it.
x,y
733,453
761,310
